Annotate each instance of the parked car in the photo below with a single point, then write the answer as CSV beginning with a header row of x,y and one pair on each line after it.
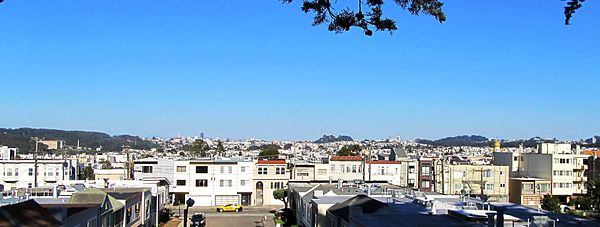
x,y
198,220
229,208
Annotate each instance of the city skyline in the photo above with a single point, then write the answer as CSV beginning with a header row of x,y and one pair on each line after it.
x,y
159,69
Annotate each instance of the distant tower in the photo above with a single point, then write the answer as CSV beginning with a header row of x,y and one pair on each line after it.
x,y
202,135
497,145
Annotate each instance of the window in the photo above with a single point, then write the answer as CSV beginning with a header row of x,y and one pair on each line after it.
x,y
244,182
302,174
342,169
180,182
202,183
262,170
425,170
411,169
322,172
226,183
242,169
425,184
146,169
332,168
543,188
489,186
502,185
515,158
276,185
280,170
488,173
459,174
348,168
222,169
458,187
29,185
411,182
181,169
16,172
30,172
354,168
201,169
527,188
230,169
9,172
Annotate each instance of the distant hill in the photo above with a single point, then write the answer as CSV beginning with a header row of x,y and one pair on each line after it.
x,y
332,138
464,140
21,138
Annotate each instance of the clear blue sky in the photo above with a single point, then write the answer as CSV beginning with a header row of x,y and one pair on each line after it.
x,y
236,69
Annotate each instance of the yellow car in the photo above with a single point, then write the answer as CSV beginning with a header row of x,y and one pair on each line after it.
x,y
229,208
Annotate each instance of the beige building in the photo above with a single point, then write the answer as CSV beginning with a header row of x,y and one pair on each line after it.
x,y
491,180
268,176
556,162
528,191
310,172
54,144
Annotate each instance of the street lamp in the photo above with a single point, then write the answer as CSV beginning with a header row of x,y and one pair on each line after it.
x,y
188,203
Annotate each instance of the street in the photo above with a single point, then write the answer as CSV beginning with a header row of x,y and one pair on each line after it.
x,y
250,216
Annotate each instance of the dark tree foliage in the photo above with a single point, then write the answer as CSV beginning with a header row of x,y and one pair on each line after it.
x,y
21,138
572,5
269,152
367,15
349,150
551,203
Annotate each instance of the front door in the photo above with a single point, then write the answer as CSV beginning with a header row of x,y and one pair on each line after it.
x,y
259,193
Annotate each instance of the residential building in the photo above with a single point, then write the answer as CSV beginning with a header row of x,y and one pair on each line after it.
x,y
309,171
26,213
109,211
457,179
153,168
268,176
383,170
557,162
137,205
346,168
7,153
529,191
425,174
21,173
110,175
214,182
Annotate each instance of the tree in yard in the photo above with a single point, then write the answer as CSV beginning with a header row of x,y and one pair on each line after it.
x,y
273,152
281,194
593,193
349,150
220,148
88,172
199,148
551,203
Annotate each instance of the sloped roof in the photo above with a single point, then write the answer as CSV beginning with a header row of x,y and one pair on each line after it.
x,y
26,213
279,161
368,205
94,196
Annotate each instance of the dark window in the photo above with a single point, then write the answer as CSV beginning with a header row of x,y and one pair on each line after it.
x,y
180,182
201,169
202,183
146,169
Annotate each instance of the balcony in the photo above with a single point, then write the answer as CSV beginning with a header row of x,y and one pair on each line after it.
x,y
580,167
11,179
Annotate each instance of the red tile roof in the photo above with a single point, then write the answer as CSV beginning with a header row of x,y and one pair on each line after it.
x,y
383,162
346,158
271,161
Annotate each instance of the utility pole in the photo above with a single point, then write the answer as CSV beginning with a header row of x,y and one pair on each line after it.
x,y
35,164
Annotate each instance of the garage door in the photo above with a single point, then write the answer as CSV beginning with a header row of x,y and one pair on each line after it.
x,y
201,200
227,199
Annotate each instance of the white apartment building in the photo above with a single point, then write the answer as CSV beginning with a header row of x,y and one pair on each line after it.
x,y
346,168
7,153
383,170
213,182
556,162
20,173
150,168
269,175
454,179
310,172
